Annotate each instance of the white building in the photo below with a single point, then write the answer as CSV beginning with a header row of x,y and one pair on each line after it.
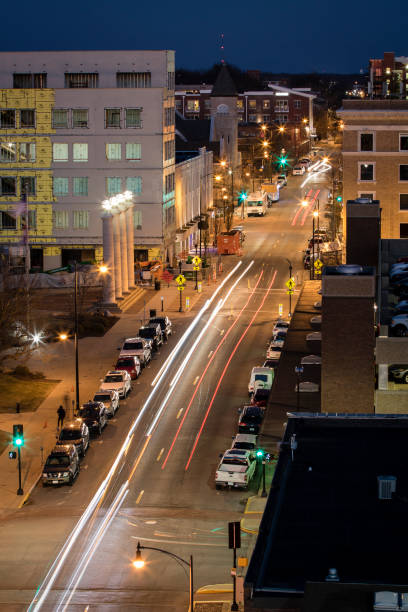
x,y
101,123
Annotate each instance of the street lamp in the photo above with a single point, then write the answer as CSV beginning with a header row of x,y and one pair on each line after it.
x,y
315,215
138,563
290,289
299,372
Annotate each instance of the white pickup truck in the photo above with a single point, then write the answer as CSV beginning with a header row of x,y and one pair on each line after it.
x,y
236,468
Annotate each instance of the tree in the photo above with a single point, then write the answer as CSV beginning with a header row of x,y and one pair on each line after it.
x,y
13,314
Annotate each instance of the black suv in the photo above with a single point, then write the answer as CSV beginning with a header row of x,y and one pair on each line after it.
x,y
76,433
165,325
152,332
250,419
94,415
62,466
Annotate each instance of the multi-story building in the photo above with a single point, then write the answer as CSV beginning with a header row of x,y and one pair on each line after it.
x,y
388,77
375,159
79,127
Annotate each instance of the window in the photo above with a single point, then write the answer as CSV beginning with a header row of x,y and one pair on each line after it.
x,y
179,104
113,151
80,219
134,184
297,117
252,103
7,221
80,117
27,185
80,186
133,79
7,118
26,80
403,230
27,151
403,172
74,80
137,219
169,116
133,117
366,171
282,119
266,118
112,117
60,118
403,142
60,219
60,151
297,103
170,215
266,104
170,80
60,186
7,152
8,185
366,196
366,142
169,183
403,201
133,151
27,118
252,118
193,105
281,106
113,185
240,105
80,152
168,149
32,219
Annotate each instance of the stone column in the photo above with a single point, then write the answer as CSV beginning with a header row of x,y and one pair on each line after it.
x,y
124,249
117,251
108,258
130,246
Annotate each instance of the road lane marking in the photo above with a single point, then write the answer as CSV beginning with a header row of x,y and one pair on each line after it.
x,y
179,413
196,380
139,497
138,460
222,332
220,545
210,353
160,454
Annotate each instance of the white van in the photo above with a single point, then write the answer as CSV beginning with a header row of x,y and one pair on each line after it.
x,y
257,203
265,375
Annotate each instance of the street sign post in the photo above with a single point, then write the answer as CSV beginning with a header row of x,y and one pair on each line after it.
x,y
318,265
290,283
196,267
234,542
181,281
280,310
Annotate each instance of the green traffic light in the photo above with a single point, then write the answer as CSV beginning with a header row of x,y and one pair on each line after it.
x,y
18,442
283,160
259,453
339,198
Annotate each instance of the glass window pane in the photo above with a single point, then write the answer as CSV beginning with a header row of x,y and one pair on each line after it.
x,y
8,185
60,151
112,117
80,117
133,150
80,151
403,230
60,186
7,152
27,185
133,117
137,219
7,118
80,186
80,219
27,151
404,142
404,172
60,219
366,142
60,118
134,184
27,118
403,201
113,151
7,221
366,172
113,185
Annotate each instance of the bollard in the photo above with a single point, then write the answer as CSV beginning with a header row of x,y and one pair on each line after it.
x,y
199,286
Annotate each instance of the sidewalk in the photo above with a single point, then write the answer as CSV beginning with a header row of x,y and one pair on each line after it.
x,y
96,356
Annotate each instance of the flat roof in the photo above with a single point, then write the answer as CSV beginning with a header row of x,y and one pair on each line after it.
x,y
323,509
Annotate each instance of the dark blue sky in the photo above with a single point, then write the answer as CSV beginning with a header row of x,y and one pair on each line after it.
x,y
284,35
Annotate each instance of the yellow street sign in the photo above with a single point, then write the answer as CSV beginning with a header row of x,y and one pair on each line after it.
x,y
180,279
290,292
196,268
181,287
290,283
196,260
318,264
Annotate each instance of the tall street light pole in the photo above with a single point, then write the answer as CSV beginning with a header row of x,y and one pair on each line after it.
x,y
138,563
76,337
290,289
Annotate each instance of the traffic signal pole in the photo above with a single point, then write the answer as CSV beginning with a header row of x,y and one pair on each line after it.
x,y
19,490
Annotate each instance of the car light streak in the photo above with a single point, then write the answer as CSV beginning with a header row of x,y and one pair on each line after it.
x,y
309,208
96,540
49,580
299,210
206,368
320,167
190,328
224,371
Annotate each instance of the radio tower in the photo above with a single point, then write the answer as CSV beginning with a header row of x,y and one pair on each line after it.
x,y
222,49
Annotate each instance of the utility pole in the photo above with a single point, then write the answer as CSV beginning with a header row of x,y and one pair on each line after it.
x,y
27,262
76,336
290,290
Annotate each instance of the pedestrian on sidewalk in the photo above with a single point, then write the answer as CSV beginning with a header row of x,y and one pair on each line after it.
x,y
61,416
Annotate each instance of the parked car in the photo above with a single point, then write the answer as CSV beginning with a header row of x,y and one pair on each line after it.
x,y
401,307
398,276
110,399
311,360
130,364
236,468
280,325
261,395
94,415
77,433
117,380
282,180
298,170
279,338
266,375
273,352
399,373
165,325
399,325
245,441
62,466
305,161
269,363
250,419
316,240
138,347
152,332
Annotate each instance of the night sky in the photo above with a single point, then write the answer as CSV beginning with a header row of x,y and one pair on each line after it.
x,y
284,35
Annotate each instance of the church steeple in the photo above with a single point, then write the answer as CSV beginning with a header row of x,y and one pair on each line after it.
x,y
224,86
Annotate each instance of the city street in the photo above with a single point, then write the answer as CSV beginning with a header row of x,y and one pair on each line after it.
x,y
150,478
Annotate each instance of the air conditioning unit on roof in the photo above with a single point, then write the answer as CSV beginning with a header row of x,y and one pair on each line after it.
x,y
387,485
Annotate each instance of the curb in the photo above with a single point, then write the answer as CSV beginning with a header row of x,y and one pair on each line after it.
x,y
215,589
27,495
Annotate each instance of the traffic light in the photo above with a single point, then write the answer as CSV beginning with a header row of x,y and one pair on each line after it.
x,y
259,452
339,199
243,195
283,161
18,435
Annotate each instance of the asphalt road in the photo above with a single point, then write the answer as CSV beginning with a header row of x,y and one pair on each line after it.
x,y
162,490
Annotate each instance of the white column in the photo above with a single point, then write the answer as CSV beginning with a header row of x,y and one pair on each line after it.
x,y
117,251
130,246
108,258
124,249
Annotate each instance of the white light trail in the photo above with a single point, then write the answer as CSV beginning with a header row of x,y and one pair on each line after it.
x,y
321,167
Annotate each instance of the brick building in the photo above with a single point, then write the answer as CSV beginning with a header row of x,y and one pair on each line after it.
x,y
375,159
388,77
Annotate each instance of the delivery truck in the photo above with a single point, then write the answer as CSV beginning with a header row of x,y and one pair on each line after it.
x,y
256,204
272,192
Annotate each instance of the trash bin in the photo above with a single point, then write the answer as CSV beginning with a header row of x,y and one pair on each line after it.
x,y
152,312
157,285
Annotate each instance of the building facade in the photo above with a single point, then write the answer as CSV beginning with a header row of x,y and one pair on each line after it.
x,y
388,77
375,159
82,127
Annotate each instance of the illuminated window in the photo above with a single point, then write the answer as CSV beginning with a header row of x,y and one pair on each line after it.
x,y
134,184
60,151
113,151
80,152
266,104
60,186
133,151
252,103
80,186
193,105
27,151
7,152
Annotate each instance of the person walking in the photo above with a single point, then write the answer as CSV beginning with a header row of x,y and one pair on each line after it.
x,y
61,416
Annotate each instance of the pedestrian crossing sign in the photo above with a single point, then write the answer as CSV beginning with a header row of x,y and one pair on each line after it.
x,y
290,283
180,279
318,264
196,260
